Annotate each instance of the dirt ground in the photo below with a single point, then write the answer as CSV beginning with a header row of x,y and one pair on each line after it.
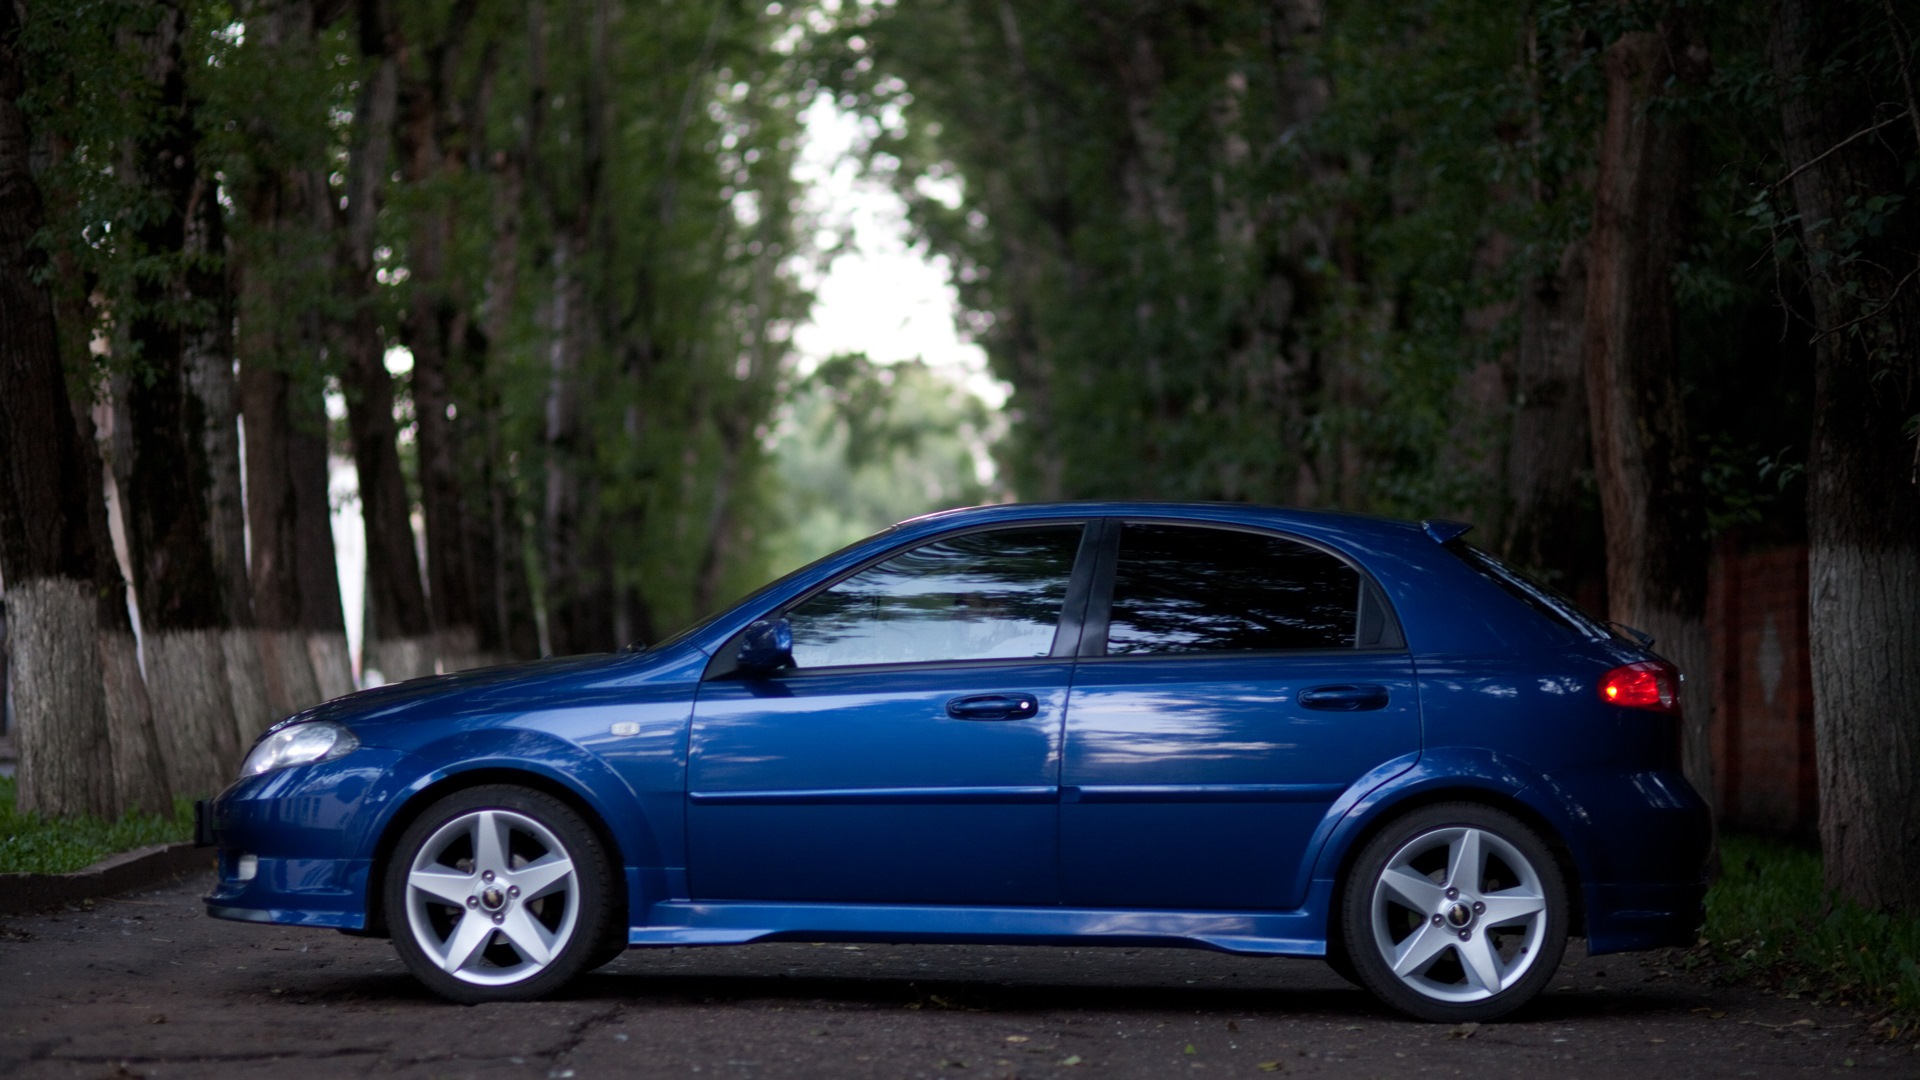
x,y
147,985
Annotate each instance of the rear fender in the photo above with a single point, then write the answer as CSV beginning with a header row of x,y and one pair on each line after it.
x,y
1470,772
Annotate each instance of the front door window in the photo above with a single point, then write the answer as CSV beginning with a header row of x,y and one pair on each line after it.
x,y
978,596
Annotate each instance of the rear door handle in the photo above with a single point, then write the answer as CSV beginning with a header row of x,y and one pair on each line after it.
x,y
993,707
1361,697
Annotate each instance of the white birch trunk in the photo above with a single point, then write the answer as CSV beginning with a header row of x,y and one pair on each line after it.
x,y
399,659
292,683
253,712
139,777
332,663
60,706
193,710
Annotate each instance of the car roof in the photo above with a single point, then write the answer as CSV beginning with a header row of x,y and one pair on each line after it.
x,y
1226,512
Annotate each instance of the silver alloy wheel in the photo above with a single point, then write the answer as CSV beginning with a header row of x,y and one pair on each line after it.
x,y
492,897
1459,914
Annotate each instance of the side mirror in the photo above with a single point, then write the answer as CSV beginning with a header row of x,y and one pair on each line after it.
x,y
767,646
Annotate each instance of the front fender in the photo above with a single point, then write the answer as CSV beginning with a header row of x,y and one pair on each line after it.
x,y
641,854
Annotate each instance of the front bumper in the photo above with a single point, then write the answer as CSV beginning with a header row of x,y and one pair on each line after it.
x,y
296,845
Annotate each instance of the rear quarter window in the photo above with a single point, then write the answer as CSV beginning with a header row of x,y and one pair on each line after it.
x,y
1543,599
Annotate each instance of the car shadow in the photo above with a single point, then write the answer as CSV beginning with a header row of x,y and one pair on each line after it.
x,y
1296,989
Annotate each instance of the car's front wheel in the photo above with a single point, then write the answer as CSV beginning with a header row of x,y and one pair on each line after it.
x,y
1455,912
498,893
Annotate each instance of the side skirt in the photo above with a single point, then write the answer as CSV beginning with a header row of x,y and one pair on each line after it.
x,y
1264,933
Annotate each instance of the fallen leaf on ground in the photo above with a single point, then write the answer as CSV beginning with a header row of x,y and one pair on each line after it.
x,y
1463,1031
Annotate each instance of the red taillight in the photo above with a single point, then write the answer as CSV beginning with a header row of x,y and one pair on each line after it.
x,y
1649,685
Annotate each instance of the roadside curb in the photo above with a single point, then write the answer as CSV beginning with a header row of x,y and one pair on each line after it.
x,y
24,894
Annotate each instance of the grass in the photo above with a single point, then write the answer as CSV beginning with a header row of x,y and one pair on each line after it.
x,y
1770,919
31,844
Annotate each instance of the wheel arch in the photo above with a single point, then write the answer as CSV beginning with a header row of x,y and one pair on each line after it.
x,y
1472,776
1562,854
419,801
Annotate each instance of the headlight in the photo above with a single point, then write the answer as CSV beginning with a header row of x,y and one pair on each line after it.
x,y
301,744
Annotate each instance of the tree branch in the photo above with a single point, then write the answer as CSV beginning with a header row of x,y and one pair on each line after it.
x,y
1906,64
1829,151
1884,305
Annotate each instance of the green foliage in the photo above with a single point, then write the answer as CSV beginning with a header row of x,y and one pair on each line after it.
x,y
1770,918
30,844
861,445
595,195
1260,255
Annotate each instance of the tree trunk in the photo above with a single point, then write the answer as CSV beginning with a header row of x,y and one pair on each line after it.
x,y
47,551
435,330
139,772
398,643
292,568
1655,527
1552,523
207,357
164,473
272,513
496,540
1863,505
561,541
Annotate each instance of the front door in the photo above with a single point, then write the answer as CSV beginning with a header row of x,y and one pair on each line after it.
x,y
912,753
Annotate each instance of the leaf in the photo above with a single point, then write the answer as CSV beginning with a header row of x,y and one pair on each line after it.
x,y
1269,1066
1071,1060
1191,1050
1018,1038
1463,1031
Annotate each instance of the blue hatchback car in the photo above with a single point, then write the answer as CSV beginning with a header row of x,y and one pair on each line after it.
x,y
1259,730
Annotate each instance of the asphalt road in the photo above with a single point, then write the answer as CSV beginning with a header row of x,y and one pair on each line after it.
x,y
146,985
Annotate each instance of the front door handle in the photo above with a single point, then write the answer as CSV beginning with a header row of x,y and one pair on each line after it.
x,y
1352,698
993,707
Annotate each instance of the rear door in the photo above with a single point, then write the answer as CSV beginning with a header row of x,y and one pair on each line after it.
x,y
1235,683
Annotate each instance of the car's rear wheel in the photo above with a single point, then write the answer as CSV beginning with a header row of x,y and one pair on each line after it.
x,y
1339,960
498,893
1455,912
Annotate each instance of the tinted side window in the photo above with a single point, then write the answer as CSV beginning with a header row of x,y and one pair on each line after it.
x,y
978,596
1541,598
1179,589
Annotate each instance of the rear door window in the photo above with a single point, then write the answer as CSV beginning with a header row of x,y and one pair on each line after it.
x,y
1184,589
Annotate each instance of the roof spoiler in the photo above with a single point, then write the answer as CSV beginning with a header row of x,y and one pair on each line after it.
x,y
1443,531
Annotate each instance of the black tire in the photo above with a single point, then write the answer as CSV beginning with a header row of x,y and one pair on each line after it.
x,y
471,852
612,947
1339,960
1476,905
